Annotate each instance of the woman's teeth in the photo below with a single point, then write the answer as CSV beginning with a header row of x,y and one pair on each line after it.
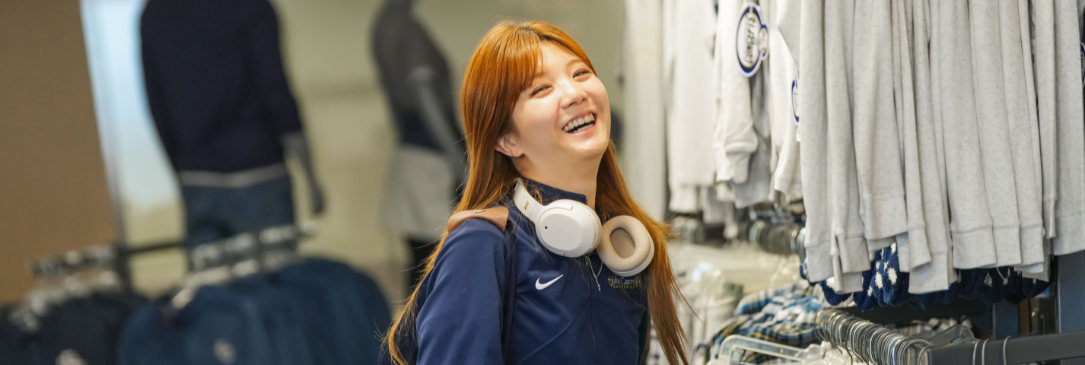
x,y
580,123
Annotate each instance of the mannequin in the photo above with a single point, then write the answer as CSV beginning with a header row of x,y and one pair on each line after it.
x,y
298,146
225,114
428,165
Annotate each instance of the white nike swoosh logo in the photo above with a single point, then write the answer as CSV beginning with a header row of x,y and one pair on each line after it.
x,y
540,286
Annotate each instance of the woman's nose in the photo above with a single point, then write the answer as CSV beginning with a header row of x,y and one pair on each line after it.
x,y
572,94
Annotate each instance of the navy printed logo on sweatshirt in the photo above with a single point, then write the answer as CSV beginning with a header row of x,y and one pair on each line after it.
x,y
618,282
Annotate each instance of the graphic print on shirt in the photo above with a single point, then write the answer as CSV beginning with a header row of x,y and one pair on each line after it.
x,y
752,40
624,283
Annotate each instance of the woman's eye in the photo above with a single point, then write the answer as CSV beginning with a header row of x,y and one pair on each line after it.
x,y
538,90
581,72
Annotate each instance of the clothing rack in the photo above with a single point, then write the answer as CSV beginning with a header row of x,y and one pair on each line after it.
x,y
247,246
783,238
1064,346
908,313
1024,350
117,256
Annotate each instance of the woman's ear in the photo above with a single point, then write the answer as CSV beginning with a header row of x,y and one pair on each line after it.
x,y
507,145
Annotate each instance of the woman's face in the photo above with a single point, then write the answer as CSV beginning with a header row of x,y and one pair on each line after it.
x,y
564,115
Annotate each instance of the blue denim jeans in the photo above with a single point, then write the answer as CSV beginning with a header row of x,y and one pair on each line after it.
x,y
214,213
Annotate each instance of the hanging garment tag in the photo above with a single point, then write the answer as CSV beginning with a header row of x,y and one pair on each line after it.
x,y
752,40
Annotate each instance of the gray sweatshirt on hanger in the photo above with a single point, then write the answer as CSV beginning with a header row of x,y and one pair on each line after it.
x,y
786,177
877,152
994,132
1021,133
814,146
1070,210
973,241
913,242
1043,66
757,186
848,230
937,274
1024,21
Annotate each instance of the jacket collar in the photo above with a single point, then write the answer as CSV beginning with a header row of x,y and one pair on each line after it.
x,y
550,194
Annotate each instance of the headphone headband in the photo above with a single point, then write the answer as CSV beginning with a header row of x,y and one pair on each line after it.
x,y
526,203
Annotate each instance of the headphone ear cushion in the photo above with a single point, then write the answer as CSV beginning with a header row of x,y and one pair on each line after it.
x,y
618,258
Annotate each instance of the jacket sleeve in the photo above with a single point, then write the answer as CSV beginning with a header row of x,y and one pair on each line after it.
x,y
266,69
460,321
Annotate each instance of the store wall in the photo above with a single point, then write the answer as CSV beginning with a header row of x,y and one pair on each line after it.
x,y
53,190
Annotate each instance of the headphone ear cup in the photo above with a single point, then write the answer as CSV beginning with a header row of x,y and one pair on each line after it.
x,y
568,228
618,258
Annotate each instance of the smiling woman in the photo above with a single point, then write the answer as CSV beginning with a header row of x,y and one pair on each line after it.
x,y
535,111
561,124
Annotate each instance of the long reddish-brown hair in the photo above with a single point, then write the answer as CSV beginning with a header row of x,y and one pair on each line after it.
x,y
503,65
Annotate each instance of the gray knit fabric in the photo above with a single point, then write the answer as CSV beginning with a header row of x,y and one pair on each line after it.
x,y
847,225
971,224
998,172
878,164
1070,210
937,274
913,250
814,147
1046,93
1021,135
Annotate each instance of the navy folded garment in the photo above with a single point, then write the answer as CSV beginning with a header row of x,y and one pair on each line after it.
x,y
14,342
377,315
86,330
374,315
331,305
283,318
216,327
80,330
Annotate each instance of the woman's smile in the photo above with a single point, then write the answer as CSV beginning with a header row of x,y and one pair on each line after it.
x,y
582,123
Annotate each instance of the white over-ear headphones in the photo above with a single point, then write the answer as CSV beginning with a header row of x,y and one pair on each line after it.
x,y
571,229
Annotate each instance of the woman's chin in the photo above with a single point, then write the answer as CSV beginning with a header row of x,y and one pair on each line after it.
x,y
589,150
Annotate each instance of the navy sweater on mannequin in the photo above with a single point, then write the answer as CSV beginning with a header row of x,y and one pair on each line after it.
x,y
215,83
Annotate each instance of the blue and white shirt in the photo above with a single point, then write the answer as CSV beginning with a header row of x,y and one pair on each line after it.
x,y
567,310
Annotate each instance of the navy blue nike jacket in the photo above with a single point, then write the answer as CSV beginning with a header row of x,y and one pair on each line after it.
x,y
567,311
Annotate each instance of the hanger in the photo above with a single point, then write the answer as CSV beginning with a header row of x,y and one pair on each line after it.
x,y
869,342
736,349
246,254
75,274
